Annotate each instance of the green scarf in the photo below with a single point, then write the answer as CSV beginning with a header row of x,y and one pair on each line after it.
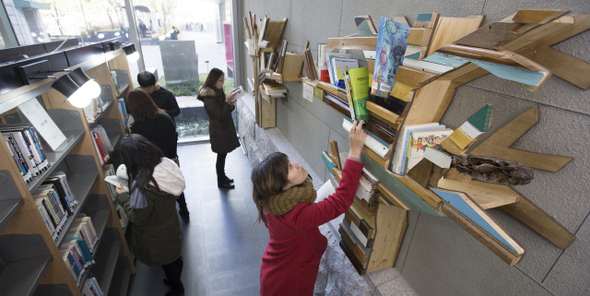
x,y
285,201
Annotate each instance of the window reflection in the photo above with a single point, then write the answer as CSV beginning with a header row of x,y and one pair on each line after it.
x,y
42,21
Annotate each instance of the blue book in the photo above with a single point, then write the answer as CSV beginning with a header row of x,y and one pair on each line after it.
x,y
391,47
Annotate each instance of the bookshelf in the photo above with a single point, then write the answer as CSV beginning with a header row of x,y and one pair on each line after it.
x,y
425,85
29,256
288,68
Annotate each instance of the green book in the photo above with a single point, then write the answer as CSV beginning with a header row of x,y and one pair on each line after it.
x,y
357,85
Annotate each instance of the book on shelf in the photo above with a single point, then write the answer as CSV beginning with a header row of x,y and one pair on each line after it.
x,y
420,141
283,52
339,66
55,202
123,111
390,103
400,154
274,89
104,137
116,83
84,228
26,150
109,170
99,144
322,63
92,111
390,50
92,288
357,87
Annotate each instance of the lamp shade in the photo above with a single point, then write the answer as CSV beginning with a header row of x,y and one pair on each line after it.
x,y
129,48
76,95
65,85
91,87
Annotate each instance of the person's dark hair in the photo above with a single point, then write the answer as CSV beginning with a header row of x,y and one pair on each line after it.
x,y
146,79
269,178
140,157
212,78
141,106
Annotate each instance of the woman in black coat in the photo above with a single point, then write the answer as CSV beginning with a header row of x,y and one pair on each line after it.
x,y
157,127
222,132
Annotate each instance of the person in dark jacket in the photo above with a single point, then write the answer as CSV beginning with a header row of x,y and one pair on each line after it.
x,y
222,131
163,98
156,126
155,182
285,199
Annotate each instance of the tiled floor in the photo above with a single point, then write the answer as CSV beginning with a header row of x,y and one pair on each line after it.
x,y
222,246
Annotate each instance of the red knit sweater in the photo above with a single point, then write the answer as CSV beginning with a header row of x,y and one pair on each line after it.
x,y
292,258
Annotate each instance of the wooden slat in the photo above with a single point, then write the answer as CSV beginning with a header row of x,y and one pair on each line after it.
x,y
504,254
450,29
412,77
489,35
486,195
274,32
362,43
353,244
541,222
292,67
498,144
401,91
353,260
335,154
415,36
382,112
391,197
390,229
480,54
532,16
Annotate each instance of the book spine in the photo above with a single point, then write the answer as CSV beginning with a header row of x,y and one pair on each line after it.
x,y
29,174
27,154
399,154
14,156
37,139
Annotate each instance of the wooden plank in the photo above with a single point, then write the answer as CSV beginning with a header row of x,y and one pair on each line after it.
x,y
488,36
292,67
426,66
391,198
533,16
358,249
415,36
450,29
362,43
273,32
401,91
541,222
555,30
268,110
480,54
381,112
498,144
334,154
411,76
428,21
390,229
415,197
486,195
354,261
480,235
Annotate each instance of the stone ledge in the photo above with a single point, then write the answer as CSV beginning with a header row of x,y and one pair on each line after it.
x,y
336,275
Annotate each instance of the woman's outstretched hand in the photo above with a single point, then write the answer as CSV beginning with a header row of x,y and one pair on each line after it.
x,y
357,138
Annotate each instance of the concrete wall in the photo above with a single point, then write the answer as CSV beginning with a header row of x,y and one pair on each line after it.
x,y
438,257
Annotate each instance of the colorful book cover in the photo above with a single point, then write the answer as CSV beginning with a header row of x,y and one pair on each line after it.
x,y
357,85
420,141
391,47
339,68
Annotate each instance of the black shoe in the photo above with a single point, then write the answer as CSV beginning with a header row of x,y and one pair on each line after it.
x,y
175,292
167,282
226,184
229,180
184,212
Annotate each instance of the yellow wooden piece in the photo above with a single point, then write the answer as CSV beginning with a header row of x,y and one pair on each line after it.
x,y
391,225
486,195
401,91
388,116
412,77
274,32
391,198
460,138
415,36
362,43
292,67
498,144
450,29
533,16
359,211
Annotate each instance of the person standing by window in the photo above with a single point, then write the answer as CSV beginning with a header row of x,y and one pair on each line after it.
x,y
163,98
156,126
222,132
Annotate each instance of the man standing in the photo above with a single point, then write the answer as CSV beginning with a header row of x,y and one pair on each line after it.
x,y
166,100
142,28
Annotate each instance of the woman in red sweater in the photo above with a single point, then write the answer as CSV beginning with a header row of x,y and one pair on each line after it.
x,y
284,196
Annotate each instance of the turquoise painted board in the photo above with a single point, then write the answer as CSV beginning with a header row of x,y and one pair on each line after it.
x,y
398,188
466,209
516,74
424,17
328,161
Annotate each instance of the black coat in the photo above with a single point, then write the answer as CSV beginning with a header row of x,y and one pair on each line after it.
x,y
222,132
161,131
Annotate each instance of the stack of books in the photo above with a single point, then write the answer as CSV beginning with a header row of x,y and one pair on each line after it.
x,y
78,248
91,288
26,150
55,201
101,143
274,89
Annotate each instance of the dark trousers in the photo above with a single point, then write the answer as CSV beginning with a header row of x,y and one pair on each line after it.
x,y
173,272
220,166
